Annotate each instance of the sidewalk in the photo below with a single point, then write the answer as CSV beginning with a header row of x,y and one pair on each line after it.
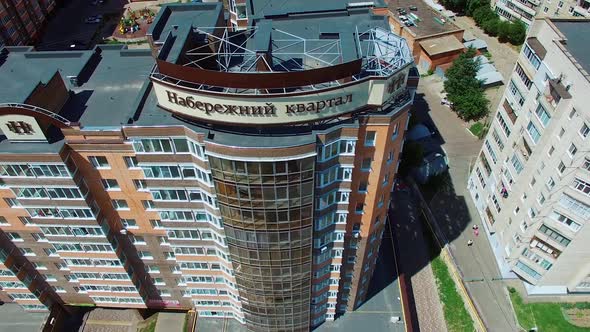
x,y
456,214
415,261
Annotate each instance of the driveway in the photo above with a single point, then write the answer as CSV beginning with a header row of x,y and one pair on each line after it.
x,y
456,214
67,26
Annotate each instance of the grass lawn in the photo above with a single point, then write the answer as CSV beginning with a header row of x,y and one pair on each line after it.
x,y
456,315
547,317
477,129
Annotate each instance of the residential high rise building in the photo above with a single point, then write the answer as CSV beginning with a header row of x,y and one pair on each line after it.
x,y
244,173
531,180
21,21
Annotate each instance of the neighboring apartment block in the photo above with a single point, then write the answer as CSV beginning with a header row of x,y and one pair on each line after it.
x,y
21,21
527,10
531,180
245,174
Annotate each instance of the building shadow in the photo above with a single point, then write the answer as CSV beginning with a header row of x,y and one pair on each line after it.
x,y
415,241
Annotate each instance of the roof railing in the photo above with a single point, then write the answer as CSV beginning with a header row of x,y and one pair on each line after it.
x,y
39,110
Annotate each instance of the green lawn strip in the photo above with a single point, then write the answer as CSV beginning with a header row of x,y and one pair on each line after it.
x,y
476,129
547,317
456,315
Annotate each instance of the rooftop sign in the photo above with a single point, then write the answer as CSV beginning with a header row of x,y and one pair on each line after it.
x,y
278,109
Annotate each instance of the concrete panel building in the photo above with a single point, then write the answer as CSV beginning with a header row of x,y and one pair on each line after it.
x,y
242,173
531,179
527,10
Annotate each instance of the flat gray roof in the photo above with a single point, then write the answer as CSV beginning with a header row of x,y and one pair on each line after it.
x,y
577,33
109,95
173,16
21,70
261,8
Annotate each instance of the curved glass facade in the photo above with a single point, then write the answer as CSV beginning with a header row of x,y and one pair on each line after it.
x,y
267,209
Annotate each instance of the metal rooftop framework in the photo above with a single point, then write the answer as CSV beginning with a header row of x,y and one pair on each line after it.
x,y
382,54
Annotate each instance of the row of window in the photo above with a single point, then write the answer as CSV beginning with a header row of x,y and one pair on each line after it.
x,y
336,148
167,145
52,193
65,213
334,174
78,231
35,170
176,172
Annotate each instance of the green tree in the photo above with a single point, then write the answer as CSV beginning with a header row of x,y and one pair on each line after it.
x,y
504,28
517,33
491,27
463,88
472,5
455,5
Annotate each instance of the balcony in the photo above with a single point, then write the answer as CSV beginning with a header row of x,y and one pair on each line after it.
x,y
554,92
510,111
581,11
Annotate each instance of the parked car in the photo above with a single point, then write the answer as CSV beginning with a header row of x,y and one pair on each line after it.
x,y
93,19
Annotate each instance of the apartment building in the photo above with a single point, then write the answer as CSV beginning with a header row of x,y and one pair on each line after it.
x,y
531,180
245,174
21,21
527,10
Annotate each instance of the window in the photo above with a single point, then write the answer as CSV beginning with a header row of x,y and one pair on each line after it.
x,y
131,162
366,164
582,186
12,202
129,223
491,151
359,208
145,255
480,177
496,203
518,167
370,138
27,251
586,164
148,204
557,237
155,145
523,76
161,172
516,93
541,198
363,186
395,131
574,206
550,183
120,204
140,184
542,115
572,150
14,236
531,56
498,139
561,133
169,194
574,226
572,113
561,167
533,132
110,184
503,124
527,269
585,130
551,150
99,162
333,149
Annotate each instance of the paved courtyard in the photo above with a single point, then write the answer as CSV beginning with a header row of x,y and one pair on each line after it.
x,y
503,56
14,319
